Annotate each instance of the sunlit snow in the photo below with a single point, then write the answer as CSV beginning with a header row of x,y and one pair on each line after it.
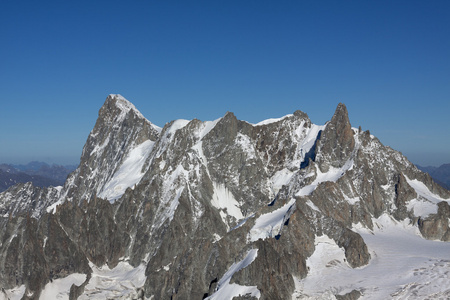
x,y
312,205
122,282
13,294
119,282
226,290
224,200
269,225
281,177
273,120
426,201
60,288
403,265
333,175
129,173
125,106
207,127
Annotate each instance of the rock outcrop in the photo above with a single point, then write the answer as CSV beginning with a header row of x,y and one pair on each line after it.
x,y
205,205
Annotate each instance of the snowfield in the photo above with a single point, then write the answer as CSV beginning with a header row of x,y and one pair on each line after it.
x,y
120,282
426,202
129,173
270,224
224,200
403,265
226,290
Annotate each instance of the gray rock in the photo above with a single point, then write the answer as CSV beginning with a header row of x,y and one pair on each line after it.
x,y
173,221
353,295
436,226
336,142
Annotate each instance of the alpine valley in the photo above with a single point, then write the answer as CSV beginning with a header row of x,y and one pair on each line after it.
x,y
225,209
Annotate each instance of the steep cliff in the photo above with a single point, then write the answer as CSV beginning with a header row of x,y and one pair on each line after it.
x,y
210,209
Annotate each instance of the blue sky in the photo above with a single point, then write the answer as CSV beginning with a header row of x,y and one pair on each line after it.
x,y
388,61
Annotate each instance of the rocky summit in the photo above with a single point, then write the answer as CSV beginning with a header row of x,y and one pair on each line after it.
x,y
226,209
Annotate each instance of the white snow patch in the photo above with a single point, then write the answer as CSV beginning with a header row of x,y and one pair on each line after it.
x,y
246,144
280,178
125,106
423,191
60,288
403,265
426,201
129,173
167,267
216,238
270,224
51,209
327,257
332,175
272,120
119,282
170,197
422,208
207,127
177,124
226,291
242,222
386,187
310,138
99,148
224,200
170,212
312,205
13,294
351,201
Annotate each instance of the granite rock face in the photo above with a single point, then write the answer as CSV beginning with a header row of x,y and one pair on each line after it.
x,y
436,226
336,143
205,205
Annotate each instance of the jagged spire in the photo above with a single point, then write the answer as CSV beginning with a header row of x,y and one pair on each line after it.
x,y
337,142
340,115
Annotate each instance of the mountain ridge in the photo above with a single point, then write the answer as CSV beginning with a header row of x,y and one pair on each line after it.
x,y
194,201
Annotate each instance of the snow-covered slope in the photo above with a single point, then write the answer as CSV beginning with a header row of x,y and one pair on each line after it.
x,y
403,266
281,209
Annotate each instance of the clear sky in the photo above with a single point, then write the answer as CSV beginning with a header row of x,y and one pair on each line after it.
x,y
388,61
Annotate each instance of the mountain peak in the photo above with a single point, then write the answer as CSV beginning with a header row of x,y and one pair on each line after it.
x,y
117,106
337,142
120,128
341,115
121,102
248,205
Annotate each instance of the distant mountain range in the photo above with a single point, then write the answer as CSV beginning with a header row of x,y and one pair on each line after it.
x,y
440,174
39,173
